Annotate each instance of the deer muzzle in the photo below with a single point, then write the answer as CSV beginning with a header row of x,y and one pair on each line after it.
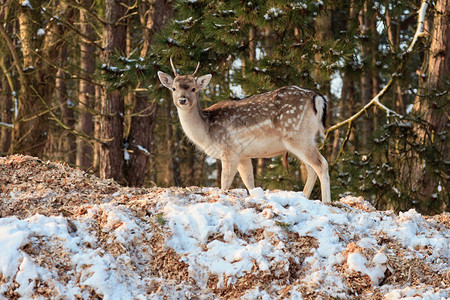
x,y
182,101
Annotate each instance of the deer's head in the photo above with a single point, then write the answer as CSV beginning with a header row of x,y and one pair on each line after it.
x,y
184,87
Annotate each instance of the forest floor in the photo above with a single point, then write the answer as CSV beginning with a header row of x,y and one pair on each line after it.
x,y
65,234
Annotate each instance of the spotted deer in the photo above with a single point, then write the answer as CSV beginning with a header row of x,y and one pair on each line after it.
x,y
261,126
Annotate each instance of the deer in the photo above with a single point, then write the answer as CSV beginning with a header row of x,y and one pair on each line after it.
x,y
274,123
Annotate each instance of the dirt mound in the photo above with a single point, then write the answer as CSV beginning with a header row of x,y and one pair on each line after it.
x,y
65,233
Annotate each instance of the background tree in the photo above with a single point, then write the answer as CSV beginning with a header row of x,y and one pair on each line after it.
x,y
100,74
427,172
86,85
112,102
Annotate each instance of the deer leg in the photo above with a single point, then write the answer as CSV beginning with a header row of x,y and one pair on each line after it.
x,y
310,180
245,169
229,168
311,156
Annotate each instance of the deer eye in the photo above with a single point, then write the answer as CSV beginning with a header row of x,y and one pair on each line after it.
x,y
193,89
173,89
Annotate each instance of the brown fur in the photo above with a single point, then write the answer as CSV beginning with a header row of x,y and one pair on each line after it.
x,y
266,125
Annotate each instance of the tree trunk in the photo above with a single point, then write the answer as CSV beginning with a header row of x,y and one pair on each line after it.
x,y
323,34
31,129
86,90
97,130
38,51
143,121
140,140
260,162
366,85
5,114
6,87
431,108
173,142
191,166
375,78
112,103
394,46
67,117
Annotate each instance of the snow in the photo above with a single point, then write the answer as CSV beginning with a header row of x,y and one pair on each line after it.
x,y
6,125
26,3
188,20
273,13
147,244
357,262
146,152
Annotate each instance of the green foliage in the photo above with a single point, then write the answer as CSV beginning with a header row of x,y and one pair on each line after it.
x,y
276,176
217,34
387,174
285,226
160,219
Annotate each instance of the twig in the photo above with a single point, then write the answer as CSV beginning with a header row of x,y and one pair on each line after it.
x,y
87,11
65,127
7,125
14,53
420,25
375,100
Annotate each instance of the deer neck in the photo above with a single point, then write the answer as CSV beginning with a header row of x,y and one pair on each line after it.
x,y
196,128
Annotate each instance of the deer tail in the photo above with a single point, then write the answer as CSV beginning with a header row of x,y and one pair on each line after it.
x,y
320,107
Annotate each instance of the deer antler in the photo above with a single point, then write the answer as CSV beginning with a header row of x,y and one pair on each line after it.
x,y
196,70
173,67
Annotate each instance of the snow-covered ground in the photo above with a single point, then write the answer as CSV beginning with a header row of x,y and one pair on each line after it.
x,y
65,234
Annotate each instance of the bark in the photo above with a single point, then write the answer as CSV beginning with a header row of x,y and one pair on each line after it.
x,y
437,69
5,114
173,141
393,38
140,138
112,102
97,130
191,166
324,32
6,85
31,128
375,78
86,90
366,84
67,116
347,105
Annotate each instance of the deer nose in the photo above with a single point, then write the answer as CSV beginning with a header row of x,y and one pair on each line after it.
x,y
182,101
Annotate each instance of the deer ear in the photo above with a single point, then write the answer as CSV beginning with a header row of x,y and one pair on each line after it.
x,y
165,79
203,81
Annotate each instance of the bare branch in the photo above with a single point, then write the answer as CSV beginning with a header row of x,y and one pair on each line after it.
x,y
420,25
376,99
68,128
86,10
14,53
7,125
